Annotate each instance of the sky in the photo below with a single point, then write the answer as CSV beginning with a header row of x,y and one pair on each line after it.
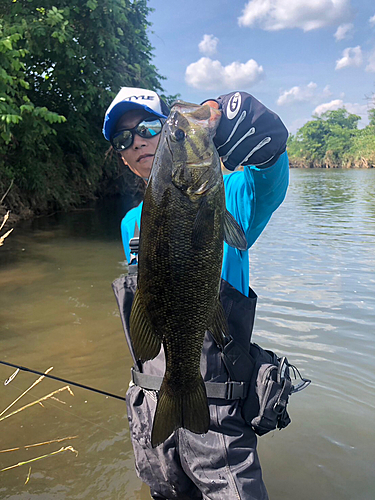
x,y
298,57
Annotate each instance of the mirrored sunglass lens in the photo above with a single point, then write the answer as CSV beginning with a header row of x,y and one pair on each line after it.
x,y
149,128
122,140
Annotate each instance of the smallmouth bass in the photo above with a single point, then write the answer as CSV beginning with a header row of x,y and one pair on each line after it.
x,y
184,223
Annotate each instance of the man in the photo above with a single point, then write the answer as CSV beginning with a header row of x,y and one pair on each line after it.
x,y
223,463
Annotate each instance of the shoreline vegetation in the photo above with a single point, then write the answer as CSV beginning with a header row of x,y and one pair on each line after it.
x,y
333,140
60,67
361,163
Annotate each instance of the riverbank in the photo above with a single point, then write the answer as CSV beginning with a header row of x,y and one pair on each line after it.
x,y
19,211
362,163
24,204
10,218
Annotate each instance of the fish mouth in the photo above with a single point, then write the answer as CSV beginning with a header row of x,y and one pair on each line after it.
x,y
204,161
199,165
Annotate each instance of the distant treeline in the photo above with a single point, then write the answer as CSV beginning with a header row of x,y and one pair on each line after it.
x,y
60,67
333,140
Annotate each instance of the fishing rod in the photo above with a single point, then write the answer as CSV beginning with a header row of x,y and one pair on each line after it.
x,y
59,379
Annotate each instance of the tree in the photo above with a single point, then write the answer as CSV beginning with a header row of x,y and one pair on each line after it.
x,y
63,65
326,140
312,139
341,118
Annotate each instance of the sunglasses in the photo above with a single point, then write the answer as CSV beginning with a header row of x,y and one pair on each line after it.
x,y
147,129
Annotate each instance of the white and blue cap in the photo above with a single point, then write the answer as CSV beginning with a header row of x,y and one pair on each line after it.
x,y
132,98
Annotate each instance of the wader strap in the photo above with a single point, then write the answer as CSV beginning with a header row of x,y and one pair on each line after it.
x,y
134,249
219,390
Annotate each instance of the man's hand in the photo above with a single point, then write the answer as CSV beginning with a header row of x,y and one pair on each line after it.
x,y
248,132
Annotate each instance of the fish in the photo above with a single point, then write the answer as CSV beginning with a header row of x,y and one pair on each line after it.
x,y
184,223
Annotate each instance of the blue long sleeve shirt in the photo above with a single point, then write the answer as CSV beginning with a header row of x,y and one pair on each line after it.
x,y
252,195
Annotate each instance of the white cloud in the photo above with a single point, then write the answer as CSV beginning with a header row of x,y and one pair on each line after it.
x,y
207,74
354,108
357,109
343,31
351,56
322,108
372,20
371,62
303,93
297,94
306,15
208,45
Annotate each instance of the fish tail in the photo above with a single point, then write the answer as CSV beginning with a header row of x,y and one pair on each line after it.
x,y
188,410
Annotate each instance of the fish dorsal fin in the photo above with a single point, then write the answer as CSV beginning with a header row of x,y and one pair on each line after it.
x,y
145,342
233,234
202,113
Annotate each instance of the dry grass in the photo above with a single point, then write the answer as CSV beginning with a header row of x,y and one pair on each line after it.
x,y
5,235
37,401
63,448
4,415
6,217
26,447
9,380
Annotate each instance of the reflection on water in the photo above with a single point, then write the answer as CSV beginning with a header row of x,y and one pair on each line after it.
x,y
313,270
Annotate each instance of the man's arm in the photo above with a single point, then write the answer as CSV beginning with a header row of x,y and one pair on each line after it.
x,y
251,135
248,133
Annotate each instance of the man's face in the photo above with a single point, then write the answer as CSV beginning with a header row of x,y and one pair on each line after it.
x,y
140,155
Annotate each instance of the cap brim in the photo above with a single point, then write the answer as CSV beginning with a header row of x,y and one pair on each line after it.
x,y
117,111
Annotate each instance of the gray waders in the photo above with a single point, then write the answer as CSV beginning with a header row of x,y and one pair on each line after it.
x,y
223,463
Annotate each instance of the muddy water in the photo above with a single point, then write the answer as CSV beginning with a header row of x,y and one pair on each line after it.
x,y
314,272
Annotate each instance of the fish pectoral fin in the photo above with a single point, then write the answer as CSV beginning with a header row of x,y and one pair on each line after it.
x,y
146,343
203,228
188,410
219,326
233,234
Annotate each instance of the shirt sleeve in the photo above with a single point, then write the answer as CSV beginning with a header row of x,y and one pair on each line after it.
x,y
252,195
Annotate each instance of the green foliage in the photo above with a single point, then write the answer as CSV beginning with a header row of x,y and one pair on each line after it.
x,y
15,105
61,64
333,140
371,115
311,138
362,152
170,99
341,118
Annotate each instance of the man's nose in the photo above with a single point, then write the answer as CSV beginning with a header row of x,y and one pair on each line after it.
x,y
138,141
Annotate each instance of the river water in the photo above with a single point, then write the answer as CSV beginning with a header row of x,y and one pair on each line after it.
x,y
313,269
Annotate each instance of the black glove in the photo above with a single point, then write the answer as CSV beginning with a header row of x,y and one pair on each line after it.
x,y
248,132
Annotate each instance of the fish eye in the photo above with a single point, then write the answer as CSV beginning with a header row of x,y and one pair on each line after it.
x,y
179,135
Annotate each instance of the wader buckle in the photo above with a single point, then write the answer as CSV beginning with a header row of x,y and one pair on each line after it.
x,y
235,390
134,248
279,407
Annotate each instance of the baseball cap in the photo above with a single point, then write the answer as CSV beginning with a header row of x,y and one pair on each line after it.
x,y
132,98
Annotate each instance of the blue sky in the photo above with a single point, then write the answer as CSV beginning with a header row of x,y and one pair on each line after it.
x,y
298,57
